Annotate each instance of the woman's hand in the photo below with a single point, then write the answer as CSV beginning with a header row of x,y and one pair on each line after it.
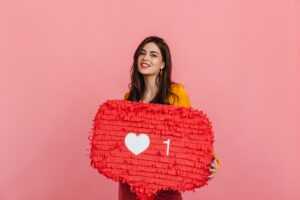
x,y
214,166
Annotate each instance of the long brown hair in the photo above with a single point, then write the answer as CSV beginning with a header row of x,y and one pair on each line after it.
x,y
163,81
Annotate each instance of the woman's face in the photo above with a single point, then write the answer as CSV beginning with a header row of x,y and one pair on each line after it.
x,y
150,60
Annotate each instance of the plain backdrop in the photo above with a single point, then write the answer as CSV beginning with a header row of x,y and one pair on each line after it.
x,y
238,60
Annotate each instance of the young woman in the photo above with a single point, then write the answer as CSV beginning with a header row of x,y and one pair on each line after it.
x,y
151,83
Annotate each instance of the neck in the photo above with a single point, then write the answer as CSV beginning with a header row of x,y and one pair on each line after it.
x,y
150,87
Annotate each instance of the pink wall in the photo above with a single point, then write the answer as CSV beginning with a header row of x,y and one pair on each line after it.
x,y
239,61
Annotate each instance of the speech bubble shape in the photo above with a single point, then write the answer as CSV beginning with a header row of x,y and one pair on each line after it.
x,y
152,147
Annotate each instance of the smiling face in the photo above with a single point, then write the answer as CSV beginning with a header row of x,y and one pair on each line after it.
x,y
150,60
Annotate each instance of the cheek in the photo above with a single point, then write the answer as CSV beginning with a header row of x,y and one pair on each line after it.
x,y
157,62
139,59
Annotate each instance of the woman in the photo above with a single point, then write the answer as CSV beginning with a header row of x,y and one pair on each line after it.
x,y
151,83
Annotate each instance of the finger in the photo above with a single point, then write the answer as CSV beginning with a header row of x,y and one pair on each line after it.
x,y
212,165
211,176
215,162
212,169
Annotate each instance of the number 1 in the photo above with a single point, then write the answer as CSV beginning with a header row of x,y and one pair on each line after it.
x,y
167,142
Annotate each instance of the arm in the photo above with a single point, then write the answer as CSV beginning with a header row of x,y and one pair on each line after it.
x,y
184,100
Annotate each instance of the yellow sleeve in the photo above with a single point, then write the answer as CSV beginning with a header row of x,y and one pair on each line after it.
x,y
126,95
183,98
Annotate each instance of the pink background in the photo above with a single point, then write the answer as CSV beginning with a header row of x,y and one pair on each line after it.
x,y
239,61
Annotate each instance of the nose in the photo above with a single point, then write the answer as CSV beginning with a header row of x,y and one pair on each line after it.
x,y
145,57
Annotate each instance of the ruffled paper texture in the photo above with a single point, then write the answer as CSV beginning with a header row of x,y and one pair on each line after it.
x,y
191,150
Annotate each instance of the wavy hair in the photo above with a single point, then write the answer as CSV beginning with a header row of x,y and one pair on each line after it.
x,y
163,81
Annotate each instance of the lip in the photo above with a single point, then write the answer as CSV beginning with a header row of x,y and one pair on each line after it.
x,y
145,65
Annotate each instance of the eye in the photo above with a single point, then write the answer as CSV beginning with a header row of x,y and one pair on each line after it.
x,y
153,55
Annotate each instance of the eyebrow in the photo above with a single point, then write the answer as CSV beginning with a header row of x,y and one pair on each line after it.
x,y
151,51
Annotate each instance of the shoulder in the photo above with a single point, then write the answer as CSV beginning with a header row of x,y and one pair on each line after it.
x,y
126,95
177,88
179,95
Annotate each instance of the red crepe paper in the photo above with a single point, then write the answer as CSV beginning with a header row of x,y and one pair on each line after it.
x,y
152,147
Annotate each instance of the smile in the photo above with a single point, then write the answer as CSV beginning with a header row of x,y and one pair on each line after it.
x,y
145,65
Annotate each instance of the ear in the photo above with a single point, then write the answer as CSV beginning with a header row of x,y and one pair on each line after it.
x,y
162,66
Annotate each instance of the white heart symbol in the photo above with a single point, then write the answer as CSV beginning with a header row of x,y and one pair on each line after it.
x,y
137,143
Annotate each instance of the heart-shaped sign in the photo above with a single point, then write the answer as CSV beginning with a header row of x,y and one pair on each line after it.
x,y
137,144
152,147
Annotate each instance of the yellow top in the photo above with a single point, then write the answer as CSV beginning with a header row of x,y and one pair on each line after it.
x,y
178,89
182,100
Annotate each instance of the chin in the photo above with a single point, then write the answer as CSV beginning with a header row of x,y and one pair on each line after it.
x,y
145,72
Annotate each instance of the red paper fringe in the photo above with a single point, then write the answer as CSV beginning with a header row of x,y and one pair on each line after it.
x,y
191,150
